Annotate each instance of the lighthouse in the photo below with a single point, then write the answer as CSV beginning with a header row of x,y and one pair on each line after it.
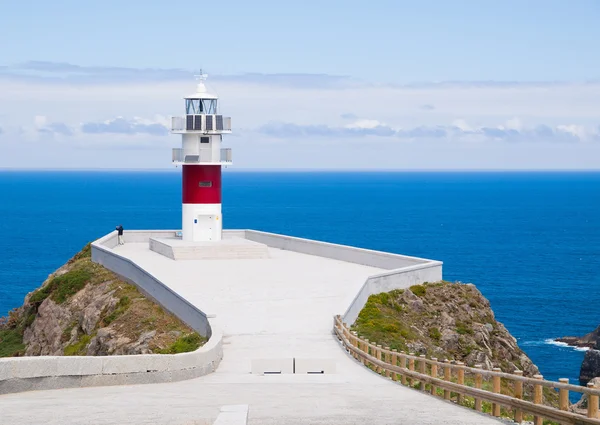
x,y
201,158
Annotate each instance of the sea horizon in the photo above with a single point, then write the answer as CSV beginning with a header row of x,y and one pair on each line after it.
x,y
310,170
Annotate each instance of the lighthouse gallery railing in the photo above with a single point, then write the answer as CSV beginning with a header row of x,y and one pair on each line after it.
x,y
203,156
205,123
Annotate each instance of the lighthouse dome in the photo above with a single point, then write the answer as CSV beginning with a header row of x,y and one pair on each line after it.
x,y
201,91
203,101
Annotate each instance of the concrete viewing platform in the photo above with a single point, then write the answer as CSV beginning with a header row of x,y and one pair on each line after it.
x,y
274,301
230,248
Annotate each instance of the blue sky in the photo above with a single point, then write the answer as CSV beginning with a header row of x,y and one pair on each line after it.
x,y
435,84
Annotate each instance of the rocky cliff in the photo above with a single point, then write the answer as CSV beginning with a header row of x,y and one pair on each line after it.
x,y
590,368
444,320
84,309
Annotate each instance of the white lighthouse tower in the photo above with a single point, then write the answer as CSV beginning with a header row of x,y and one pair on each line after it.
x,y
201,158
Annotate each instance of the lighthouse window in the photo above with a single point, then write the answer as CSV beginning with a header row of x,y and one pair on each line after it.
x,y
200,106
205,184
210,106
204,139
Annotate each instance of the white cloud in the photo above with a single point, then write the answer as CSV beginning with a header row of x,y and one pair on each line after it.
x,y
366,124
100,112
121,125
460,130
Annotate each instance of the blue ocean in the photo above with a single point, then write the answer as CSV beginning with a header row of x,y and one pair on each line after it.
x,y
529,241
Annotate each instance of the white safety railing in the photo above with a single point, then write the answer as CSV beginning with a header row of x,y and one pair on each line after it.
x,y
205,123
177,123
204,155
226,155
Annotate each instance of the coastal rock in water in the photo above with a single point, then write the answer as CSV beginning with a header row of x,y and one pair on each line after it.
x,y
591,340
590,368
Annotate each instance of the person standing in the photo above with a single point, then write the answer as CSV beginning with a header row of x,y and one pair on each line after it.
x,y
120,232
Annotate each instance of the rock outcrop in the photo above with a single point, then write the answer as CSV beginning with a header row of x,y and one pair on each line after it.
x,y
590,367
84,309
588,340
444,320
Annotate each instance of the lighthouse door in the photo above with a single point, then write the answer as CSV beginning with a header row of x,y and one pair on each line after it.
x,y
203,227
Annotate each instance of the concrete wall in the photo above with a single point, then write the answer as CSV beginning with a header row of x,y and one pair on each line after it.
x,y
19,374
367,257
53,372
136,236
404,271
395,279
148,284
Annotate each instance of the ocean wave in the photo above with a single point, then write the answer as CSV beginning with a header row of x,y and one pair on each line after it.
x,y
550,341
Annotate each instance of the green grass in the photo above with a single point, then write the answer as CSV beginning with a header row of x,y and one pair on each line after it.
x,y
418,290
78,348
434,333
61,288
184,344
86,252
120,308
463,328
11,343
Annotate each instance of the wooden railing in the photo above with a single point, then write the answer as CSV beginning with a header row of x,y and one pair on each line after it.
x,y
447,379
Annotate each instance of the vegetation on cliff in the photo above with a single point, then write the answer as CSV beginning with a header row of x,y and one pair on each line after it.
x,y
85,309
444,320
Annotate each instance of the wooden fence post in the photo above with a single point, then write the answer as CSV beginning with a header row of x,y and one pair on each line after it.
x,y
434,374
422,369
403,366
518,390
592,411
478,381
460,380
563,395
386,358
354,343
395,363
379,368
366,350
496,388
447,377
411,366
537,399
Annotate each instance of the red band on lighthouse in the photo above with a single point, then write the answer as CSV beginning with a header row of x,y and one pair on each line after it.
x,y
201,184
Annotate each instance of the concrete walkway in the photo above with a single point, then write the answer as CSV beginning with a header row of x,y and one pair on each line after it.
x,y
279,307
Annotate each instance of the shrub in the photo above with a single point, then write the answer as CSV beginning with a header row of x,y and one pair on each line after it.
x,y
120,308
184,344
463,328
418,290
11,343
61,288
434,333
68,284
78,348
